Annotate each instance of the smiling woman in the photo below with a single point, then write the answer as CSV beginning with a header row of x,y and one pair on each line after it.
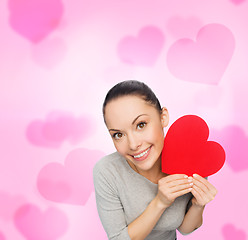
x,y
135,199
137,131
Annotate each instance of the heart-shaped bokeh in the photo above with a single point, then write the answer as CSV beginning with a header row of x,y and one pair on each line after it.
x,y
71,183
35,20
237,2
182,27
143,50
49,53
187,151
35,224
230,232
235,141
8,205
204,60
2,237
58,127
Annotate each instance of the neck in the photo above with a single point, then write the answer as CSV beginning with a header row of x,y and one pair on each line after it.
x,y
153,174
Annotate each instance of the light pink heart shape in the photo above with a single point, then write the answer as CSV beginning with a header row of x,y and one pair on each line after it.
x,y
184,27
57,128
144,49
71,183
237,2
2,237
49,53
204,60
235,142
230,232
8,205
37,225
35,20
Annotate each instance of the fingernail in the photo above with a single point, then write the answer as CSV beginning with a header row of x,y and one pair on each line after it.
x,y
190,179
185,176
191,184
195,175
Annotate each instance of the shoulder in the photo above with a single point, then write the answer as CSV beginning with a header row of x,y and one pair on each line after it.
x,y
106,172
107,162
109,165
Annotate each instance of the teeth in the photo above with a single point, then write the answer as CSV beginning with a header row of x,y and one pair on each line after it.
x,y
142,154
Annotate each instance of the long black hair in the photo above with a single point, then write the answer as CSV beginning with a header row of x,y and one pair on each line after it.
x,y
132,87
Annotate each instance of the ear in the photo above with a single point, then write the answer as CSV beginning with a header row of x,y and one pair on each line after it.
x,y
164,117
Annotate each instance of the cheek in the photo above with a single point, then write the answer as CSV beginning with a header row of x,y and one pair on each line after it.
x,y
156,135
120,147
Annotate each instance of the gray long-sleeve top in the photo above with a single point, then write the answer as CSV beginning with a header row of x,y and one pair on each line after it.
x,y
122,195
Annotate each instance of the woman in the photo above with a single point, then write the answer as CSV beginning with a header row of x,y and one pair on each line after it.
x,y
135,199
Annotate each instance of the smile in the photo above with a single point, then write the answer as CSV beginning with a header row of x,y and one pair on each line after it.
x,y
142,154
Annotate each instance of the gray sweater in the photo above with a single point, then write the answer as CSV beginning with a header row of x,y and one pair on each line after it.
x,y
122,195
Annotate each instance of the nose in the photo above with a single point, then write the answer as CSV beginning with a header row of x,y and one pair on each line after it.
x,y
134,142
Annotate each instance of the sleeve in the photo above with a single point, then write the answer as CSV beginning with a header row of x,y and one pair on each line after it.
x,y
109,207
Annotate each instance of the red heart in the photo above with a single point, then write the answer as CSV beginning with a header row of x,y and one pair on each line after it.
x,y
187,151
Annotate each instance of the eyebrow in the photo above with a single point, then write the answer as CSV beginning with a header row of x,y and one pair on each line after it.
x,y
132,122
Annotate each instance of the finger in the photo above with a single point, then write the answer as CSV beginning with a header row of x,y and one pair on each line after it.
x,y
178,182
201,185
181,193
206,183
205,198
198,194
203,180
209,193
181,187
208,196
174,177
199,191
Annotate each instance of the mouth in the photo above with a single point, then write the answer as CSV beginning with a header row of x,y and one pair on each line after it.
x,y
143,155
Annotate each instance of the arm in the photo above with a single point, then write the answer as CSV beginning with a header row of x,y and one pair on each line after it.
x,y
192,220
169,188
109,207
203,193
143,225
111,211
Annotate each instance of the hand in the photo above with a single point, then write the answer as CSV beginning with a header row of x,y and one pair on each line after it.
x,y
203,191
171,187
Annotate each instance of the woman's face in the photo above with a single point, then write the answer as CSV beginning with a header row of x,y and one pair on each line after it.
x,y
136,128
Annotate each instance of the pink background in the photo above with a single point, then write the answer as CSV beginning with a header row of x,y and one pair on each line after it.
x,y
57,61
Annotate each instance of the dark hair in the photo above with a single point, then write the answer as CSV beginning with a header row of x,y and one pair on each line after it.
x,y
131,87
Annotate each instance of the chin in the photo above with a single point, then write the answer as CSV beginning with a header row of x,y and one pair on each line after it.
x,y
145,166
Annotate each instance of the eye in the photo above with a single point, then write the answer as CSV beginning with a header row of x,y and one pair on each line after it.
x,y
117,135
141,125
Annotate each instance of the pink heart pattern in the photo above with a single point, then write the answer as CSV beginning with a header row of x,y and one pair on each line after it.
x,y
144,49
49,53
204,60
35,20
57,128
235,143
2,237
71,183
237,2
230,232
8,204
181,27
37,225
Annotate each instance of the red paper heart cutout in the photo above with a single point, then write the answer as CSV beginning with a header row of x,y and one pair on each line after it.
x,y
187,151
